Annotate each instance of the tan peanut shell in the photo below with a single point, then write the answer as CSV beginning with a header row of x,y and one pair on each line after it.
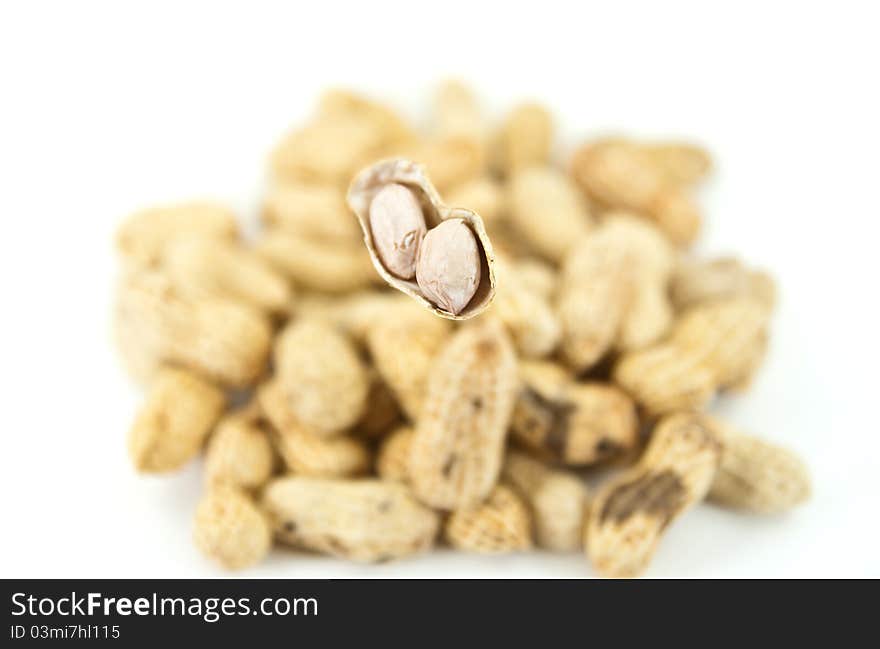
x,y
313,210
322,376
573,423
619,175
527,315
630,513
403,344
483,195
230,529
371,180
392,461
757,476
525,139
174,421
450,161
711,347
239,452
143,236
456,151
500,524
305,452
752,361
457,112
547,211
536,276
613,291
459,442
347,132
679,163
695,282
313,264
361,520
721,334
558,501
206,268
223,340
352,314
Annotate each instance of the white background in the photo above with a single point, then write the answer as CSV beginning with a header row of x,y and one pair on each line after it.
x,y
105,108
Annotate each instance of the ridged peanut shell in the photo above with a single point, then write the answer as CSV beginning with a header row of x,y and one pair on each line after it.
x,y
459,442
361,520
547,211
174,421
206,268
322,376
759,477
403,344
230,529
573,423
305,452
502,523
239,452
392,461
558,501
223,340
630,512
142,237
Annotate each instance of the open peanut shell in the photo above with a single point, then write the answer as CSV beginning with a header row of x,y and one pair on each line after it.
x,y
369,181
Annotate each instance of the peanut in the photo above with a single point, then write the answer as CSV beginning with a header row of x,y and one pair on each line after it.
x,y
340,267
619,175
457,449
144,235
558,501
304,451
448,269
239,452
392,462
316,211
352,314
403,348
757,476
483,195
322,376
536,276
205,268
361,520
230,529
547,211
630,513
398,227
711,347
528,316
500,524
695,282
347,132
573,423
680,164
454,263
613,292
525,139
456,112
172,424
225,341
451,161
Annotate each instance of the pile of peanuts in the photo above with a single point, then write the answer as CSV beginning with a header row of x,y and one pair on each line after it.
x,y
562,406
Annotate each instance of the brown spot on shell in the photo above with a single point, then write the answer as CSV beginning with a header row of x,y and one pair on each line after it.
x,y
656,494
552,415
